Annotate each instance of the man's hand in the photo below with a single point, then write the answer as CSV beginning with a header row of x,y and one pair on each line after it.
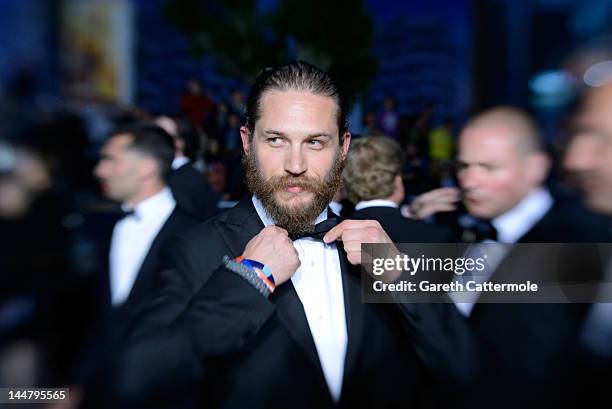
x,y
353,233
443,199
273,247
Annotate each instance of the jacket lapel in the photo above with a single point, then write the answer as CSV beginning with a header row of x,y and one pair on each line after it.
x,y
291,313
353,309
239,226
150,263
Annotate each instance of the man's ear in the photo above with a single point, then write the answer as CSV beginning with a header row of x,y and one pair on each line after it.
x,y
398,182
346,143
245,135
399,193
147,167
538,165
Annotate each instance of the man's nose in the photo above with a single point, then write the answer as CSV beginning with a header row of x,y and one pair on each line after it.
x,y
295,161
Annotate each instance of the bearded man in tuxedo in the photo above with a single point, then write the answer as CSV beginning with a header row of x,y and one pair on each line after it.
x,y
261,306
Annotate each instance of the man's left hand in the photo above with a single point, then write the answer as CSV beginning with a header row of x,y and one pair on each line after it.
x,y
353,233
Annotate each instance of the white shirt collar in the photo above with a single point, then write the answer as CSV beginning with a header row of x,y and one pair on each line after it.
x,y
267,219
150,207
336,207
179,161
517,221
375,203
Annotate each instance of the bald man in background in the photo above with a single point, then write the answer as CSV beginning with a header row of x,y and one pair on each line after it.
x,y
502,169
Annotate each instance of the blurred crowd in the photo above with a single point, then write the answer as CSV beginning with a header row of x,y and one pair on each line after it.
x,y
67,181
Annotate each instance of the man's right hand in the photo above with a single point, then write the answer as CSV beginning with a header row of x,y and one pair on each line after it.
x,y
438,200
273,247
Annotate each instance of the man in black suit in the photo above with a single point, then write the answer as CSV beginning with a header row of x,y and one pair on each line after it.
x,y
501,170
588,161
189,188
373,181
132,170
282,325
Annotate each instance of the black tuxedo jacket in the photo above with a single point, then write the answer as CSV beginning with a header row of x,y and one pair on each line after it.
x,y
519,351
211,331
403,230
111,320
192,193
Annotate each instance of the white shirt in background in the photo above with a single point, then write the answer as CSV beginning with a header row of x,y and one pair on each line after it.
x,y
131,240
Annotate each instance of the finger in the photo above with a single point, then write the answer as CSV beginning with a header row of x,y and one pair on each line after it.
x,y
441,207
431,208
354,257
446,207
439,194
351,246
338,231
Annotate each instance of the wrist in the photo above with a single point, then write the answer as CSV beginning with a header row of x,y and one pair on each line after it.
x,y
249,274
262,271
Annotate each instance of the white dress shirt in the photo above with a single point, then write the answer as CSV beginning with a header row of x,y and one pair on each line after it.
x,y
336,207
510,226
179,161
517,221
132,237
318,283
375,203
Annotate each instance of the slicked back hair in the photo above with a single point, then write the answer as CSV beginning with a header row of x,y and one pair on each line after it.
x,y
295,76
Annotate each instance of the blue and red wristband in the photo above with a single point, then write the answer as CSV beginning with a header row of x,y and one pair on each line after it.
x,y
262,271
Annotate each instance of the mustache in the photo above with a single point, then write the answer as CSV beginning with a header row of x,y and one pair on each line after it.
x,y
286,181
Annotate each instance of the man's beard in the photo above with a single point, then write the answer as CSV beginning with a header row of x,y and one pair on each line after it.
x,y
297,219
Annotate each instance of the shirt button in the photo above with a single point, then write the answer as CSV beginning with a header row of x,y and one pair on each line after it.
x,y
312,264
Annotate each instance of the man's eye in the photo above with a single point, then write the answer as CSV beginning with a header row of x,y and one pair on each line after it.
x,y
315,143
488,167
275,141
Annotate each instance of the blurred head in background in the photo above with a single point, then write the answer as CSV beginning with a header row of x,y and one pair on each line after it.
x,y
134,162
185,135
500,161
589,154
374,170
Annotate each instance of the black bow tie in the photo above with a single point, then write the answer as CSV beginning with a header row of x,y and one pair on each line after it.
x,y
319,231
485,231
125,213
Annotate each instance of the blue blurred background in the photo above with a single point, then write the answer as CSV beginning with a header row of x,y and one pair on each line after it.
x,y
458,56
71,70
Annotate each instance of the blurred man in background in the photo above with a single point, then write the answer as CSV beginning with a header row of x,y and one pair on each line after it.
x,y
373,181
502,169
132,170
588,161
188,185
